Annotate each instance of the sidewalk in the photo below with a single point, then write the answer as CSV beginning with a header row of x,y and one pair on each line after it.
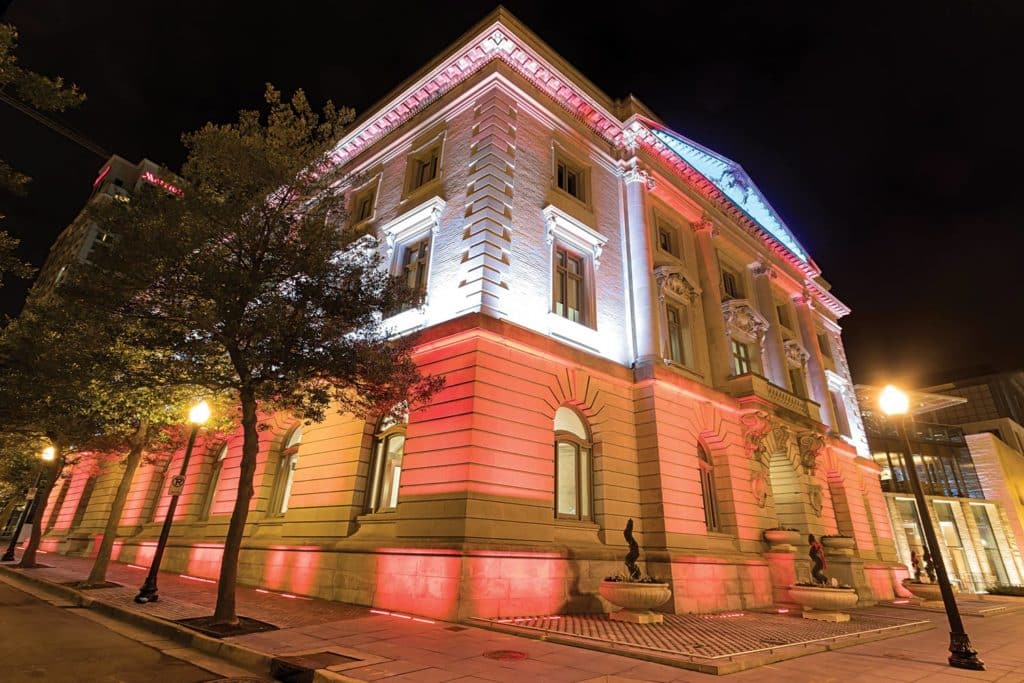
x,y
353,643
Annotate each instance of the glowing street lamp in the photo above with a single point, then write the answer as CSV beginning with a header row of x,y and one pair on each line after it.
x,y
197,416
896,405
47,456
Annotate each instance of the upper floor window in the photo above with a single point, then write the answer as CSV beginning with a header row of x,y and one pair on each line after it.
x,y
668,239
740,358
387,454
415,258
732,284
678,333
211,487
424,166
570,290
572,466
783,312
707,489
363,203
823,344
839,410
285,476
796,382
570,179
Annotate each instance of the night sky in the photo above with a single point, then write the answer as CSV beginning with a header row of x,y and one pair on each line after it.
x,y
888,139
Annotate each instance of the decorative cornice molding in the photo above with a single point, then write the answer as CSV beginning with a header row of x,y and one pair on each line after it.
x,y
674,280
560,224
743,322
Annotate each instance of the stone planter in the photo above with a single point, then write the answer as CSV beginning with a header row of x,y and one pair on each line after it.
x,y
839,545
782,540
824,603
929,592
637,600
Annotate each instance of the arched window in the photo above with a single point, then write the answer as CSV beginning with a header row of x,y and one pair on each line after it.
x,y
572,466
211,488
707,488
285,473
386,464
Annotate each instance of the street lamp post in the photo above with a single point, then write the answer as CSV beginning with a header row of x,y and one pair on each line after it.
x,y
30,502
199,414
895,403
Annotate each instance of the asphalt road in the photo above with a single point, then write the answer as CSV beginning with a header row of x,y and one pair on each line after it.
x,y
41,642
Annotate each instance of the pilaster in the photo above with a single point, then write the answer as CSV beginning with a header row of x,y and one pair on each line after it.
x,y
774,356
641,262
815,363
711,296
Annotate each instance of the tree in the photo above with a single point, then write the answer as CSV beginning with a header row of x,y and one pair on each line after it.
x,y
251,282
19,458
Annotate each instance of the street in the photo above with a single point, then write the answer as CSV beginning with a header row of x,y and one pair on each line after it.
x,y
41,642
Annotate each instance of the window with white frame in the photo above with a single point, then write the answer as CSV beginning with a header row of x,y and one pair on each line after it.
x,y
409,240
386,456
575,256
285,476
415,261
676,292
573,480
214,481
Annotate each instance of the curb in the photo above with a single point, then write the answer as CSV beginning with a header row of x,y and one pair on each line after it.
x,y
233,653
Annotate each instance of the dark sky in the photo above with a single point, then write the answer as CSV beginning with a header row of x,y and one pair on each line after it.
x,y
888,136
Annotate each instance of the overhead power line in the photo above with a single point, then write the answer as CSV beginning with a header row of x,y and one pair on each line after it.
x,y
76,138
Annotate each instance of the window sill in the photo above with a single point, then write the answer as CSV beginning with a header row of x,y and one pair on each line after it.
x,y
428,190
578,523
573,332
684,370
376,517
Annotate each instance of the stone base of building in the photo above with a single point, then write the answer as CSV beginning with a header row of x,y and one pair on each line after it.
x,y
833,617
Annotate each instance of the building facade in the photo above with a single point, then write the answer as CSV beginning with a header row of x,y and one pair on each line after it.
x,y
627,330
979,533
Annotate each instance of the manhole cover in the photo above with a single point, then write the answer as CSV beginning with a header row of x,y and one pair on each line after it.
x,y
505,655
455,628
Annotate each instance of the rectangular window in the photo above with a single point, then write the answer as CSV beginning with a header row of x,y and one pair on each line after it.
x,y
740,358
677,334
783,312
839,409
570,179
569,286
731,286
362,205
424,167
796,381
668,239
826,348
414,265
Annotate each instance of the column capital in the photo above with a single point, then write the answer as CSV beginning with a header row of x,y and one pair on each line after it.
x,y
803,298
635,173
704,225
760,268
632,138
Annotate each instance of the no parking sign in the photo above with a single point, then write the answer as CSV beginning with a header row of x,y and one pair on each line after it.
x,y
177,484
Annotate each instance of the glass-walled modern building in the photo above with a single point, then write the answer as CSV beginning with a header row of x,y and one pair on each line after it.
x,y
978,543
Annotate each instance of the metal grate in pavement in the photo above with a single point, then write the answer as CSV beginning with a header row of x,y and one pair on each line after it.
x,y
705,635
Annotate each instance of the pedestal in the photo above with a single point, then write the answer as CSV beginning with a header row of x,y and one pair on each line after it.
x,y
850,571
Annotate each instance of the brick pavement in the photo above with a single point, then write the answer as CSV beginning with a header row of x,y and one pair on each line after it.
x,y
402,647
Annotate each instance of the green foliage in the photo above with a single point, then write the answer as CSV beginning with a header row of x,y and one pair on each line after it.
x,y
19,457
1005,589
42,92
10,264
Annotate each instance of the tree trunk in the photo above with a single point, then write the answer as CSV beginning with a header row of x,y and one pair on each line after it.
x,y
98,575
225,611
28,558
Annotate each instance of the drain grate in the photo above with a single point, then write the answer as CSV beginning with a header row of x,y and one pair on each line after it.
x,y
505,655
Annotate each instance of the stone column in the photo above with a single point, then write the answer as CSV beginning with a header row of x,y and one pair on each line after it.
x,y
774,359
641,266
815,364
711,297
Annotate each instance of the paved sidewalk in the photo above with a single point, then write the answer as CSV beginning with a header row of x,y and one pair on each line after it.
x,y
379,645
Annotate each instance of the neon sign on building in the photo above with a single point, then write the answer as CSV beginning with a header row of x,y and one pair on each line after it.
x,y
152,179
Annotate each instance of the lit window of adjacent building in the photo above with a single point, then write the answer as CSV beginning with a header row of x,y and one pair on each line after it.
x,y
285,477
387,454
570,286
211,487
678,334
424,167
732,287
740,358
707,488
572,466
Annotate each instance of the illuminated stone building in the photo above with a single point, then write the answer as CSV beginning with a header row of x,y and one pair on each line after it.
x,y
627,330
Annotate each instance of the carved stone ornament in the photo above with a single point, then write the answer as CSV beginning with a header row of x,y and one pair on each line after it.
x,y
759,488
810,445
757,426
760,268
796,354
673,280
816,498
632,137
705,224
635,174
743,322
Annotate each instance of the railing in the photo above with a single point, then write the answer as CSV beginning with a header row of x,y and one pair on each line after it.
x,y
755,385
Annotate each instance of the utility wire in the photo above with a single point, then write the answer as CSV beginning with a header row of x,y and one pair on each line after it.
x,y
79,140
